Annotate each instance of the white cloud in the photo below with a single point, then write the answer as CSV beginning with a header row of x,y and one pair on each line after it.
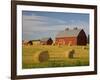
x,y
35,25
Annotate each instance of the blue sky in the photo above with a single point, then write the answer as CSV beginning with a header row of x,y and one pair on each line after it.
x,y
39,24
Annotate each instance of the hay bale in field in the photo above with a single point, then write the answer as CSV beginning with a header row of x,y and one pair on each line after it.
x,y
85,48
41,56
71,53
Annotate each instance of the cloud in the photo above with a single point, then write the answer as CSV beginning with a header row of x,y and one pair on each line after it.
x,y
41,23
42,19
35,26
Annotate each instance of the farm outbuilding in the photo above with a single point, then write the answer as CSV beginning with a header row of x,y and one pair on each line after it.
x,y
36,42
46,41
30,42
25,42
71,37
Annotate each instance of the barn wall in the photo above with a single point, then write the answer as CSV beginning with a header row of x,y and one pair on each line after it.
x,y
66,41
36,42
43,42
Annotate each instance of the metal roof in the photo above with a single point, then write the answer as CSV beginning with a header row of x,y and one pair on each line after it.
x,y
45,39
69,33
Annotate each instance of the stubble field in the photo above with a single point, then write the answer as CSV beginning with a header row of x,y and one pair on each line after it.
x,y
58,56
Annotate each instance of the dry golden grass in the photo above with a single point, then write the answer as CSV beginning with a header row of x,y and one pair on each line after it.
x,y
58,56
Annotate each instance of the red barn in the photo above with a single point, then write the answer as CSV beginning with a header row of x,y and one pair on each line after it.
x,y
71,37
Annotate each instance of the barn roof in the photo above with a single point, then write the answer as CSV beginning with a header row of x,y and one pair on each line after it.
x,y
45,39
69,33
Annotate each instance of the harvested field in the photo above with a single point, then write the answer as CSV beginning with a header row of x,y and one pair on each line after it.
x,y
57,56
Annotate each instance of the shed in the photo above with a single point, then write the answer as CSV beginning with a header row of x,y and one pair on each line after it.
x,y
46,41
30,42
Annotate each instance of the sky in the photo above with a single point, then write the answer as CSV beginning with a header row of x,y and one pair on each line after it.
x,y
40,24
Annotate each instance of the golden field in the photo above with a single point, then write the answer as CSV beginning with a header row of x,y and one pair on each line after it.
x,y
58,56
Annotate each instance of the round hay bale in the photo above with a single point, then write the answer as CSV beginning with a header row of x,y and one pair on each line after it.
x,y
41,56
71,53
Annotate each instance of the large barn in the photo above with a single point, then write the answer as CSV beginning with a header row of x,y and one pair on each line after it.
x,y
71,37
